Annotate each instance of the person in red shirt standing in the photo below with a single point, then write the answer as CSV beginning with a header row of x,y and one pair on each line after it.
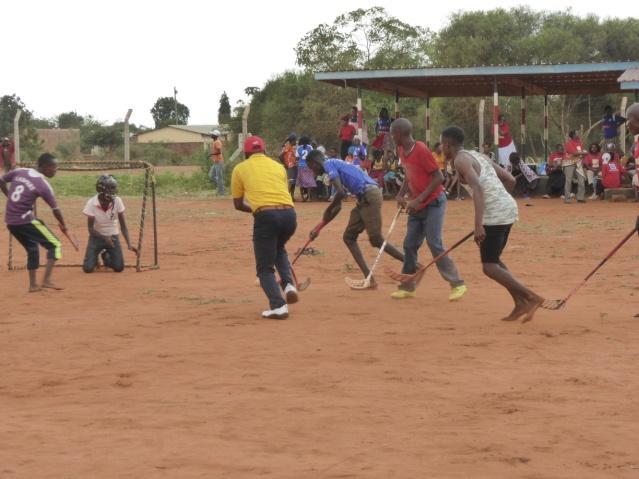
x,y
506,143
7,155
426,210
572,165
287,156
346,133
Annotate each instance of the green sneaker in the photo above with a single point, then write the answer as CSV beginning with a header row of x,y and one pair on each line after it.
x,y
402,294
457,292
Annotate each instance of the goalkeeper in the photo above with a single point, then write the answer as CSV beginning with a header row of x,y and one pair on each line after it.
x,y
104,212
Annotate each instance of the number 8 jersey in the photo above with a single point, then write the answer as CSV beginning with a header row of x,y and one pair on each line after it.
x,y
27,185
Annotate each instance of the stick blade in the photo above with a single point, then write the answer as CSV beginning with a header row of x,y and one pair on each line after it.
x,y
358,283
553,304
302,286
406,278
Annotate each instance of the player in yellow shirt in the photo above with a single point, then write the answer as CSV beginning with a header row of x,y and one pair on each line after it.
x,y
259,186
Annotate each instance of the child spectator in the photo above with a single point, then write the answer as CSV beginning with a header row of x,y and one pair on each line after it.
x,y
383,140
104,212
526,179
487,149
289,160
592,164
440,159
392,176
556,178
572,165
346,133
358,153
305,177
378,170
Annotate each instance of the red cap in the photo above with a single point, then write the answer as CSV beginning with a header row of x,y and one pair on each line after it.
x,y
254,144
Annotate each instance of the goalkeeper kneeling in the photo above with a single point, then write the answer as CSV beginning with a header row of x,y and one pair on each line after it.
x,y
103,212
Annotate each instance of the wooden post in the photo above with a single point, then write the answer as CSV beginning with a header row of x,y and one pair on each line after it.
x,y
480,117
495,120
245,115
523,124
16,136
396,104
427,120
127,153
622,133
545,128
359,111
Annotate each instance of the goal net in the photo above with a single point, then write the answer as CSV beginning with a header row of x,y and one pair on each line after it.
x,y
74,184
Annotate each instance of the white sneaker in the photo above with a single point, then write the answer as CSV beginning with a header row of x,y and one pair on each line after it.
x,y
277,313
291,294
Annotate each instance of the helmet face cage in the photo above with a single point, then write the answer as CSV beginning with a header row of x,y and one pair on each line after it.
x,y
107,185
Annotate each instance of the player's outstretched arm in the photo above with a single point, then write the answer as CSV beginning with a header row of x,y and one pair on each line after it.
x,y
58,216
125,232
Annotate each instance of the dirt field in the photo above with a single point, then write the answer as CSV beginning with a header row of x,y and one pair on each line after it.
x,y
172,373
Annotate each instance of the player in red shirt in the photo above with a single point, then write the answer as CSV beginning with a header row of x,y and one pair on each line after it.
x,y
506,143
592,164
426,210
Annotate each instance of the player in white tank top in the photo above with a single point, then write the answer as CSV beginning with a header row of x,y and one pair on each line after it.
x,y
495,213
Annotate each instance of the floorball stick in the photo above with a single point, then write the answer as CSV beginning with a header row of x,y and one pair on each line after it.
x,y
555,304
417,276
307,282
72,239
366,282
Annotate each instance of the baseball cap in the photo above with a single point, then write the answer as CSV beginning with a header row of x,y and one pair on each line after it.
x,y
254,144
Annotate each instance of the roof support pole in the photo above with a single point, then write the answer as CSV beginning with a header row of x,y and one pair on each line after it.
x,y
427,120
622,133
495,119
546,128
523,124
396,104
480,118
636,95
360,116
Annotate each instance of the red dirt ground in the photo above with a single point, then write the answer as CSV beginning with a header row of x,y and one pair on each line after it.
x,y
172,373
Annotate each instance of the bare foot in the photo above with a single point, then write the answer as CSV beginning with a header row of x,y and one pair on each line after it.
x,y
51,285
518,311
532,306
34,289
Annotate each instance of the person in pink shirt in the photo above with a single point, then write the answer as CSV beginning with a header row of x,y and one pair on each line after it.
x,y
572,166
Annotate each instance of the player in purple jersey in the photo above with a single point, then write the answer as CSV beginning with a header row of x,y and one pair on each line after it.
x,y
26,186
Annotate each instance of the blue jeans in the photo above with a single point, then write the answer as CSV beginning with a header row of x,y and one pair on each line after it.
x,y
112,259
271,230
427,224
216,174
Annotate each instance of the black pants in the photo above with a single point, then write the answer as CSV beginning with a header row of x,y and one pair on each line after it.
x,y
344,145
556,182
31,235
271,230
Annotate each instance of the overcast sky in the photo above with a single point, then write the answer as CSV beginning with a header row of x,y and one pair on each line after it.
x,y
101,58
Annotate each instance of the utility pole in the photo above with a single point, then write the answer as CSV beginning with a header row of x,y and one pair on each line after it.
x,y
175,99
126,135
16,136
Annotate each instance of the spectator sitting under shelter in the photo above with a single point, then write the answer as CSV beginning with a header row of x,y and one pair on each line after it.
x,y
526,178
592,165
556,178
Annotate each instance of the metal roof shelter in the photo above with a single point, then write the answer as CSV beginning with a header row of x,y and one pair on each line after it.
x,y
520,80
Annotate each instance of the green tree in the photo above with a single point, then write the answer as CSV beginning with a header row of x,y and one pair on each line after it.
x,y
70,120
224,111
163,112
94,133
9,106
364,38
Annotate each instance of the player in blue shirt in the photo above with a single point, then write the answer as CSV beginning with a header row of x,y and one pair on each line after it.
x,y
611,123
367,214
